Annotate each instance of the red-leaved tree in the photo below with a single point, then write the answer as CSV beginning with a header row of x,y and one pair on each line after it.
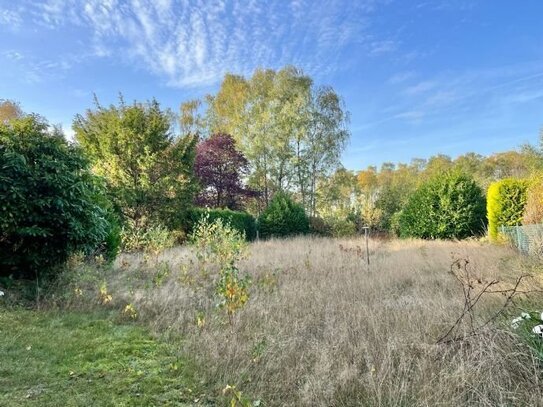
x,y
220,167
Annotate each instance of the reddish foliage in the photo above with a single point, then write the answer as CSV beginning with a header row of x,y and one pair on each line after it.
x,y
220,168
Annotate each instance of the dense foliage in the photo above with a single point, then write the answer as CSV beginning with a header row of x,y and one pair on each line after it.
x,y
241,221
10,110
283,217
448,206
506,201
291,132
149,171
377,195
148,238
533,211
50,204
219,168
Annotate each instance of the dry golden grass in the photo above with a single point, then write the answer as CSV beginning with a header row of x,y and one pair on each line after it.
x,y
320,329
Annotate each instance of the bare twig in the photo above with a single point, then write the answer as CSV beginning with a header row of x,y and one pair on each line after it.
x,y
461,271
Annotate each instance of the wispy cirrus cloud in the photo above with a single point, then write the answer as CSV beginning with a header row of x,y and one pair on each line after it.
x,y
10,18
195,42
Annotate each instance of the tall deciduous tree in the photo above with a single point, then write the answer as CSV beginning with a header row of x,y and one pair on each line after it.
x,y
148,169
326,137
291,132
220,169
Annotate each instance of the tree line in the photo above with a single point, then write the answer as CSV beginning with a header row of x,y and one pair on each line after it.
x,y
259,146
262,153
375,196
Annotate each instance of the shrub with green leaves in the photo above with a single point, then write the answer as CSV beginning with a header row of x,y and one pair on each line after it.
x,y
145,237
50,204
340,226
506,201
241,221
283,217
448,206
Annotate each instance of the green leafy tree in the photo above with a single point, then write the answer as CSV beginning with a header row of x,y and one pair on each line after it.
x,y
448,206
283,217
395,184
149,170
51,205
291,132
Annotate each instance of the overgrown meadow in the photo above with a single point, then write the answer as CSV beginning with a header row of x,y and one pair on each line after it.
x,y
320,328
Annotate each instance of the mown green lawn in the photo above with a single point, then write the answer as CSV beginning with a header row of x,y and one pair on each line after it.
x,y
76,359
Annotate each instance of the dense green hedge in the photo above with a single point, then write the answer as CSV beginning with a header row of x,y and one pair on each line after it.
x,y
51,206
241,221
506,201
283,217
449,206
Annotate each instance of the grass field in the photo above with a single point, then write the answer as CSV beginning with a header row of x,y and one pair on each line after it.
x,y
320,329
80,359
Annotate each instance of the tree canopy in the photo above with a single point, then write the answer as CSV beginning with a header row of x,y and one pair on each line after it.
x,y
220,168
290,131
148,169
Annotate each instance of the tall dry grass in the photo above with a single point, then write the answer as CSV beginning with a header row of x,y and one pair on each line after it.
x,y
320,329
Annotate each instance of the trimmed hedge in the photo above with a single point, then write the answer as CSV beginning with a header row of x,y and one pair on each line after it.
x,y
283,217
448,206
242,221
506,200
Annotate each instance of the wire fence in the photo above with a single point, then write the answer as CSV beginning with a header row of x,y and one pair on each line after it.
x,y
527,239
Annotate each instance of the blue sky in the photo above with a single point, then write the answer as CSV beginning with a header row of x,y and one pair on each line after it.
x,y
419,77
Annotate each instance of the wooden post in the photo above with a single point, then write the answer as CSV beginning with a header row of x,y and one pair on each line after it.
x,y
366,236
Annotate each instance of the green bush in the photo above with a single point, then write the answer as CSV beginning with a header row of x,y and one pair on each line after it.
x,y
241,221
145,237
283,217
319,227
394,223
448,206
50,204
341,227
506,202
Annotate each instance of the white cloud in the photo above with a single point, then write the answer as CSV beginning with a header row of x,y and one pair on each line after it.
x,y
13,55
421,87
194,42
10,18
383,47
400,77
411,115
